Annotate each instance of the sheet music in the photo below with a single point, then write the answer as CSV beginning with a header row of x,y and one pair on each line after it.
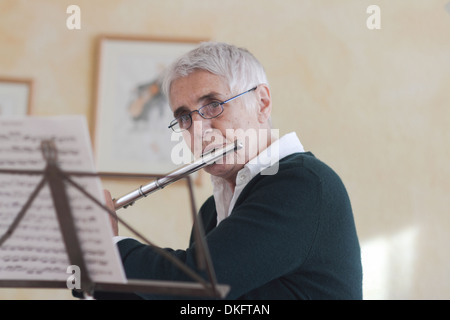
x,y
36,251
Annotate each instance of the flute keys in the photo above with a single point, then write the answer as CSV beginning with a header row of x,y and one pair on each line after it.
x,y
128,205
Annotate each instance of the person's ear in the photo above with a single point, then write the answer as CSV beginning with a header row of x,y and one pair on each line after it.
x,y
264,103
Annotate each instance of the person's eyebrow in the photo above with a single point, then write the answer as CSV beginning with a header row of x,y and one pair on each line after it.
x,y
209,96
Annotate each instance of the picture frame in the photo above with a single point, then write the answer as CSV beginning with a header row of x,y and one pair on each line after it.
x,y
15,96
132,116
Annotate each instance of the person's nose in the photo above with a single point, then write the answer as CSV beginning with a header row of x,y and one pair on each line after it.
x,y
199,129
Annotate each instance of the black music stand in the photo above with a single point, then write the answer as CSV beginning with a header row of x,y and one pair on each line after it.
x,y
56,179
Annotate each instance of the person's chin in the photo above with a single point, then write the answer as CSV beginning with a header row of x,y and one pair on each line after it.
x,y
219,169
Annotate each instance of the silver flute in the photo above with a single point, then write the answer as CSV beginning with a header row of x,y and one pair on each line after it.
x,y
205,160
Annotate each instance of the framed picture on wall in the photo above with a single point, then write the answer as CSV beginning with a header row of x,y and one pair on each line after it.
x,y
15,96
131,133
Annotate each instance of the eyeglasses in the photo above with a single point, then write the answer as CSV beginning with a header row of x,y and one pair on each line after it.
x,y
209,111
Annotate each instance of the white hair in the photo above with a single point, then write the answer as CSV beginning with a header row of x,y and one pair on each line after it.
x,y
237,66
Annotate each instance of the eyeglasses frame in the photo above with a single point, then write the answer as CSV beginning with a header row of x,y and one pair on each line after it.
x,y
175,121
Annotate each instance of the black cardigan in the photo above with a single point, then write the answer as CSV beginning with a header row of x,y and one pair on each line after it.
x,y
289,236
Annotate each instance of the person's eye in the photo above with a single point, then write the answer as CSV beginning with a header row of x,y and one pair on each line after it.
x,y
185,118
211,109
214,105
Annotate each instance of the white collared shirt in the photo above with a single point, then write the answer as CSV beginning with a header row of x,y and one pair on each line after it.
x,y
225,198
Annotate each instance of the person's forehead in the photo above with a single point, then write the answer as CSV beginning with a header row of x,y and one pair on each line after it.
x,y
194,87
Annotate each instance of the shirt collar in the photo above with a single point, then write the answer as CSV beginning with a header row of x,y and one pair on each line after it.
x,y
286,145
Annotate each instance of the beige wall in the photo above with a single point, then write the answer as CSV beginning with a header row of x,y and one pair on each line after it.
x,y
373,104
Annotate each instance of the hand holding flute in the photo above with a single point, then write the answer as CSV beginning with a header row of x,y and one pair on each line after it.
x,y
113,219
